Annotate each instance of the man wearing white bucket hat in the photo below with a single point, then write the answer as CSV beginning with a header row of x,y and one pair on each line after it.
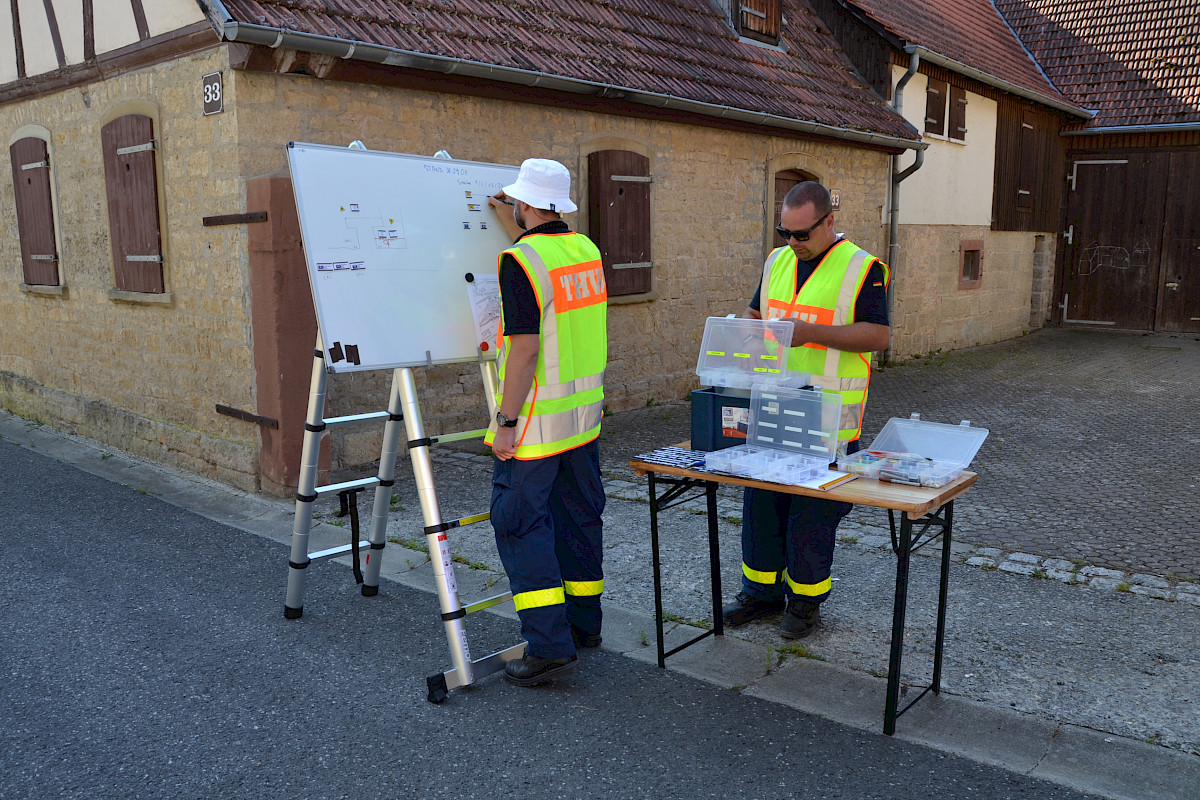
x,y
547,497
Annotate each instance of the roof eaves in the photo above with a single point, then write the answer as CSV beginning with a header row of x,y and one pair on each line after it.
x,y
991,80
1164,127
218,15
234,31
1024,49
874,24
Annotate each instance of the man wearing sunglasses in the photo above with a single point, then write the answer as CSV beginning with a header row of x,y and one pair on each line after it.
x,y
836,295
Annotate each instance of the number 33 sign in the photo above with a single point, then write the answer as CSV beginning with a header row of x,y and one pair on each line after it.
x,y
214,101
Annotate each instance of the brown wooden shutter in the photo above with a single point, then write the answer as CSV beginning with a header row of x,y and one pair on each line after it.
x,y
129,172
759,19
1028,161
35,211
935,107
958,114
619,218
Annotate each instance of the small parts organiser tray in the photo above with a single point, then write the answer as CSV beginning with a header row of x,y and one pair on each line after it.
x,y
899,468
739,353
792,437
917,453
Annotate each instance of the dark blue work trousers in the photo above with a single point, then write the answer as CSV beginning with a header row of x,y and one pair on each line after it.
x,y
547,516
788,539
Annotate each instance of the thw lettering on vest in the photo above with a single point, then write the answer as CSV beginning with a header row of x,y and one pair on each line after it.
x,y
777,309
578,286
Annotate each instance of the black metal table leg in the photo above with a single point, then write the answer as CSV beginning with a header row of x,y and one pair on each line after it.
x,y
658,612
942,592
714,557
899,607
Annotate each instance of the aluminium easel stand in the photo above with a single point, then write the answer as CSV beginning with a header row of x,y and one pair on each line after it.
x,y
402,407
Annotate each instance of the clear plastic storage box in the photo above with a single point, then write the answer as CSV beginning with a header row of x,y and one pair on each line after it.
x,y
792,436
916,452
738,353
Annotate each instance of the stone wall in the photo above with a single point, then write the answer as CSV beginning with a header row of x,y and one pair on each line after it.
x,y
146,376
142,376
932,312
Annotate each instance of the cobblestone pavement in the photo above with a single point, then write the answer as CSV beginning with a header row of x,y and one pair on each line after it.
x,y
1089,468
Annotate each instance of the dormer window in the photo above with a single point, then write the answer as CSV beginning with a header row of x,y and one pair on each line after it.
x,y
758,19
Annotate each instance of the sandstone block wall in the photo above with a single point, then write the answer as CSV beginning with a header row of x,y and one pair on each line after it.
x,y
930,310
144,377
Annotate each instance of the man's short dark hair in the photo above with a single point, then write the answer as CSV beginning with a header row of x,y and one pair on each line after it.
x,y
809,192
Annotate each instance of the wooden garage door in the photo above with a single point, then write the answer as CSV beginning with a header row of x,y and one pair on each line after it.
x,y
1115,224
1133,259
1179,279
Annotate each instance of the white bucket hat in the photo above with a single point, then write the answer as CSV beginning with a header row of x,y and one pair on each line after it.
x,y
544,184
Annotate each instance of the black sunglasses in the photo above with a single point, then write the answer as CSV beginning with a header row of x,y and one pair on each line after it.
x,y
801,236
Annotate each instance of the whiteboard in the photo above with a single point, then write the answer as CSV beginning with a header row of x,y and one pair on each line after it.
x,y
390,240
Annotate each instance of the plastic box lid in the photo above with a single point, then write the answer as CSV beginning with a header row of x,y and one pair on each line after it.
x,y
799,421
952,444
738,353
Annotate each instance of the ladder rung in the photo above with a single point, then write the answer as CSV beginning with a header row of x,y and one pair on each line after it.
x,y
361,483
354,419
480,605
337,551
484,666
458,437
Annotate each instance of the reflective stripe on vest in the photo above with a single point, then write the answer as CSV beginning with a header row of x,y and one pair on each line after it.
x,y
826,298
565,403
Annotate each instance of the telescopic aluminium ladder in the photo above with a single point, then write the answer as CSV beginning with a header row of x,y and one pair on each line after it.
x,y
402,407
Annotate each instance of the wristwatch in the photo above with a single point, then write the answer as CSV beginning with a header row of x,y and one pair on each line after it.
x,y
505,422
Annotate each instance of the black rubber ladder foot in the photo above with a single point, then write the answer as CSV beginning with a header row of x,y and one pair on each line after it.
x,y
292,613
437,688
369,591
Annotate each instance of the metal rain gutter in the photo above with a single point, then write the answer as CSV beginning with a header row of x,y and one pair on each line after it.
x,y
1166,127
345,48
999,83
914,63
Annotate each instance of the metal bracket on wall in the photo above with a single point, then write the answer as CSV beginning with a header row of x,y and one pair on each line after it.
x,y
235,219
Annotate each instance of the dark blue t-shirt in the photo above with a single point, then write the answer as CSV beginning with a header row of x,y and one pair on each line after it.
x,y
521,312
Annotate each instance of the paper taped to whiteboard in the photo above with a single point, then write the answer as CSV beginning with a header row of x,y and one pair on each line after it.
x,y
388,238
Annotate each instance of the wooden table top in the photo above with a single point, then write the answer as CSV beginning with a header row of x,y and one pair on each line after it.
x,y
915,501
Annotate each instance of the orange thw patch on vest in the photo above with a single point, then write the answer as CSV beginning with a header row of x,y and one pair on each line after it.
x,y
578,286
777,309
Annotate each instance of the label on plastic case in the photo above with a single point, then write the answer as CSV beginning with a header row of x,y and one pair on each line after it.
x,y
734,422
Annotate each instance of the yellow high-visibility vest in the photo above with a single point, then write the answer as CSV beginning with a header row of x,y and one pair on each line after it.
x,y
565,403
826,298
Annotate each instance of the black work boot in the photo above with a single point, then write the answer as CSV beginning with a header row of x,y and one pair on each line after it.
x,y
584,639
800,619
745,608
533,671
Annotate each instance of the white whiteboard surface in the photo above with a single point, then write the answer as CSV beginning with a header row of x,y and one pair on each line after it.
x,y
389,239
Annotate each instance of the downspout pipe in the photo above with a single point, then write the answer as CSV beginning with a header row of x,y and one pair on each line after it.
x,y
914,62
